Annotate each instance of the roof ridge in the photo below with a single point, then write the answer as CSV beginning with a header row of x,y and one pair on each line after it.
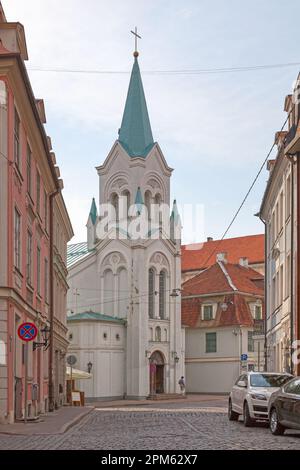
x,y
228,278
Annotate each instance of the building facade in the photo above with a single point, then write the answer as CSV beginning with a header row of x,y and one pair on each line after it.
x,y
279,212
29,184
222,312
131,276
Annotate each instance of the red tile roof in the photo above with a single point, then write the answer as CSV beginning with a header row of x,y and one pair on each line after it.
x,y
199,256
213,281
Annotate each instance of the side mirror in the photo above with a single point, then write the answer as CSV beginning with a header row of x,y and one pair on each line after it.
x,y
242,383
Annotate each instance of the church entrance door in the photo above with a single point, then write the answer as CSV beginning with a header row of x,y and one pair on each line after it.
x,y
156,373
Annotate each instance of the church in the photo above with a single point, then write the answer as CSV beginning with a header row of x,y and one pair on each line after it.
x,y
124,303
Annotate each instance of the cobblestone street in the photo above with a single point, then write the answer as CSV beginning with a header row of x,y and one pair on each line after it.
x,y
158,427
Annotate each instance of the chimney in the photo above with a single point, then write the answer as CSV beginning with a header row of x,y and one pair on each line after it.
x,y
222,257
244,262
210,239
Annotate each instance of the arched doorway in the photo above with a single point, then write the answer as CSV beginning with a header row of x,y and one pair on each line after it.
x,y
156,373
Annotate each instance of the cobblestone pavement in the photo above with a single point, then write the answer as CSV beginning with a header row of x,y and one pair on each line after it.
x,y
158,427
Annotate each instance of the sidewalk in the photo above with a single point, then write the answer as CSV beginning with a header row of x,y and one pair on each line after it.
x,y
57,422
193,398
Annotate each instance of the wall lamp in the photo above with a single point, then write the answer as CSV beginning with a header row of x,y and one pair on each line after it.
x,y
46,335
175,356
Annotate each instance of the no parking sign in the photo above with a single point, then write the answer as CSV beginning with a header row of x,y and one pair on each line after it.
x,y
27,332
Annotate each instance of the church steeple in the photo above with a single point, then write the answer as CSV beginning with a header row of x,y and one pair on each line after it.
x,y
135,134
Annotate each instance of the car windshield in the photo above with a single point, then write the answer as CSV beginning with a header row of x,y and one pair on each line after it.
x,y
267,380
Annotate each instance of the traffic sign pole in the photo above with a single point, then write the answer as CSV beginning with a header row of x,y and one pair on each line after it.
x,y
27,332
26,381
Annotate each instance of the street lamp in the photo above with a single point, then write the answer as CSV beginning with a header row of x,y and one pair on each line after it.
x,y
89,366
175,292
224,306
46,334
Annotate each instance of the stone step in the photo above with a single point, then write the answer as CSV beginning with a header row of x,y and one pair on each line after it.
x,y
166,396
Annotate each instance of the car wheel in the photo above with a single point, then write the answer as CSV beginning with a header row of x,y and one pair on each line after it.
x,y
248,421
232,415
276,428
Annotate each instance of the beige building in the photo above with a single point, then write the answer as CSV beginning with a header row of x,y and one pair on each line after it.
x,y
278,211
63,232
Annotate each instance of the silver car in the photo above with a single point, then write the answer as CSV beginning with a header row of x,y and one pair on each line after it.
x,y
250,395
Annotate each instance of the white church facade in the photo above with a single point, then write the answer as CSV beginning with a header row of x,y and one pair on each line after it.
x,y
124,298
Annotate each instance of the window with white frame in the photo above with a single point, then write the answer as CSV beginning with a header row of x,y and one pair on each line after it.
x,y
211,342
29,258
250,341
207,312
17,153
258,312
17,240
38,270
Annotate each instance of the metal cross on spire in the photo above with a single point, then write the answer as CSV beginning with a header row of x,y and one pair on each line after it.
x,y
136,39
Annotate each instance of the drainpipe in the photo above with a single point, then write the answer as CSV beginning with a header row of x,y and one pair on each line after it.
x,y
51,279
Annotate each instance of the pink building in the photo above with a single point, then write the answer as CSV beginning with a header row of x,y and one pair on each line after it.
x,y
29,193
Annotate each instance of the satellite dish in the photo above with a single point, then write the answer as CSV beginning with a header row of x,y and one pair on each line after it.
x,y
71,360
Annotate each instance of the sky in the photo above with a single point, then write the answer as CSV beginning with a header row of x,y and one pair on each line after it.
x,y
214,129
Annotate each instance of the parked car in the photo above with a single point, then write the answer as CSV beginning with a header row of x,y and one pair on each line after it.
x,y
284,407
250,395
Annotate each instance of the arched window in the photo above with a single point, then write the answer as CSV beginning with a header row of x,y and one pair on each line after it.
x,y
151,289
114,200
158,201
108,297
148,203
162,294
157,333
126,202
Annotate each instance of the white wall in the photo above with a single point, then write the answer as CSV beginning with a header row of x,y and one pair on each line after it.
x,y
106,354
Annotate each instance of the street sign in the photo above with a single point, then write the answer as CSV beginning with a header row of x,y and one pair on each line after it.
x,y
71,360
244,357
27,332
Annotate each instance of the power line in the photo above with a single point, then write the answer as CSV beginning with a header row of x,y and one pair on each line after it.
x,y
167,72
247,194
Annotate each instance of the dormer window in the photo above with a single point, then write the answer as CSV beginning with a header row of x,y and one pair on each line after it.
x,y
257,312
207,312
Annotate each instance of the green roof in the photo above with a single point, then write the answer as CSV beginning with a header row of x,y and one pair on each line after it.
x,y
93,211
94,316
135,134
76,252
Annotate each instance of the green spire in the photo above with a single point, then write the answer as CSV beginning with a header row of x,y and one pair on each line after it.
x,y
93,211
139,200
135,134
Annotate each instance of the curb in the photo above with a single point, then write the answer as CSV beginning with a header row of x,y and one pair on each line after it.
x,y
75,420
65,427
